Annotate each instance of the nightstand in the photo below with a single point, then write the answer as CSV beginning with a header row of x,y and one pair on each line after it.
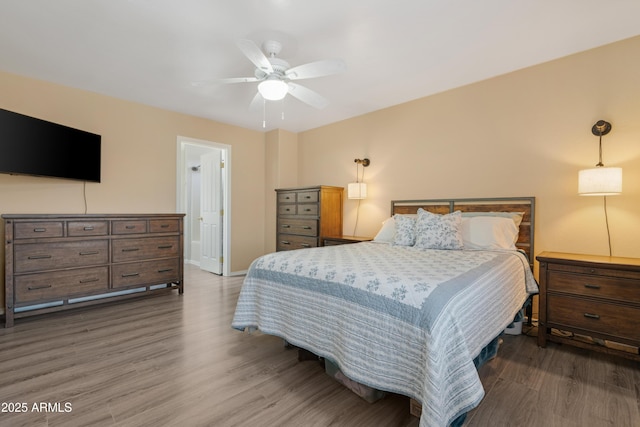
x,y
343,240
594,297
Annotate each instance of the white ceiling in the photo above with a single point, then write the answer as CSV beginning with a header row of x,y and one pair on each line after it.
x,y
152,51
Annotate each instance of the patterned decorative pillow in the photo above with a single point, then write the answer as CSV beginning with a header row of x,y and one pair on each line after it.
x,y
405,230
439,231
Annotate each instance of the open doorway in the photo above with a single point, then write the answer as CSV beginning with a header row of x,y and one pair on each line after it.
x,y
203,190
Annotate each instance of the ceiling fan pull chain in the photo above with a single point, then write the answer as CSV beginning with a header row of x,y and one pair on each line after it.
x,y
264,114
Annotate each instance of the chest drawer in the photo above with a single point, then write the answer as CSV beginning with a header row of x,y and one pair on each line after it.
x,y
595,286
597,316
308,209
305,227
60,284
287,242
289,197
145,273
47,256
129,227
307,197
164,226
87,228
145,248
29,230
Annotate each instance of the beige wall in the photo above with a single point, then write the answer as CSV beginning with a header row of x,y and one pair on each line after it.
x,y
526,133
139,145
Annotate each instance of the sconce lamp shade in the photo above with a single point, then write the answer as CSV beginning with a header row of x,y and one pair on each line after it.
x,y
357,190
600,181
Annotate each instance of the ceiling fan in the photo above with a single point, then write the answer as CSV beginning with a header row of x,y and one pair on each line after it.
x,y
276,76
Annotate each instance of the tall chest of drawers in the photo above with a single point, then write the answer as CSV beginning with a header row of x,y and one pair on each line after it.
x,y
593,296
306,215
55,262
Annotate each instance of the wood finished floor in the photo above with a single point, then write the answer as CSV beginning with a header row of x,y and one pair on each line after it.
x,y
175,361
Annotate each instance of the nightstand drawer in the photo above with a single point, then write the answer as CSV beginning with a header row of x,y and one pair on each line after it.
x,y
601,317
594,286
305,227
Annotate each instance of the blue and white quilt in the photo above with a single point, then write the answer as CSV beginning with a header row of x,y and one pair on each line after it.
x,y
400,319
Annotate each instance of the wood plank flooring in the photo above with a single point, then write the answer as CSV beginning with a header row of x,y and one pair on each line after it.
x,y
174,360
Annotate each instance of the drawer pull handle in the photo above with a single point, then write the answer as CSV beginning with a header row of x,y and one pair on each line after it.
x,y
307,210
166,270
39,256
306,228
286,226
130,249
164,225
287,209
39,230
89,228
129,227
93,279
307,197
285,242
35,288
305,245
90,253
592,316
131,275
165,247
287,198
590,286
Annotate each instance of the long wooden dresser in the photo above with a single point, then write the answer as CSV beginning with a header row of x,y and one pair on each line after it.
x,y
56,262
306,215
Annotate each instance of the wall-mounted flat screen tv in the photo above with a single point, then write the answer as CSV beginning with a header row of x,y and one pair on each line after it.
x,y
30,146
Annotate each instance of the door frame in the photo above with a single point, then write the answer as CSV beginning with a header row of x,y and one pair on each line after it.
x,y
183,144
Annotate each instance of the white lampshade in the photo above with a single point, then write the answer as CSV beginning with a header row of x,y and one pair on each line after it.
x,y
273,89
357,190
600,181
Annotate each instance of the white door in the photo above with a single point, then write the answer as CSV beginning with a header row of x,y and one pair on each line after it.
x,y
211,212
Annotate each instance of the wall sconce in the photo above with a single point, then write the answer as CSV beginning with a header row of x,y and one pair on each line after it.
x,y
601,181
358,190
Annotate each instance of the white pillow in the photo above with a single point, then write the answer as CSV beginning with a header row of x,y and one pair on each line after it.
x,y
387,232
489,232
435,231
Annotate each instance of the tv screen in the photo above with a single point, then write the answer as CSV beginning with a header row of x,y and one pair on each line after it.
x,y
30,146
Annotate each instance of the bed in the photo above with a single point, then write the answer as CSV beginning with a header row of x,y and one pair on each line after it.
x,y
412,317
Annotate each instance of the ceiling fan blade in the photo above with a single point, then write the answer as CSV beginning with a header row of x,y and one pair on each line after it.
x,y
325,67
257,102
308,96
255,55
238,80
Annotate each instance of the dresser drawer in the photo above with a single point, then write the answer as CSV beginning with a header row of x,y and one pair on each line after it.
x,y
87,228
129,227
287,209
60,284
288,242
145,248
305,227
311,210
164,226
289,197
146,273
29,230
597,316
307,197
33,257
627,290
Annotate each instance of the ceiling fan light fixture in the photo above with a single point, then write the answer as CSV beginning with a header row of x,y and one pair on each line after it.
x,y
273,89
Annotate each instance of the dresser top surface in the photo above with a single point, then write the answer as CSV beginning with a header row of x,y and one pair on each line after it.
x,y
609,261
89,216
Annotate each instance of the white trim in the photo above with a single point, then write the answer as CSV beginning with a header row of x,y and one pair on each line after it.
x,y
226,202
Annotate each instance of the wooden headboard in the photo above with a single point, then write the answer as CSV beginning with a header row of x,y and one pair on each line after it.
x,y
498,204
